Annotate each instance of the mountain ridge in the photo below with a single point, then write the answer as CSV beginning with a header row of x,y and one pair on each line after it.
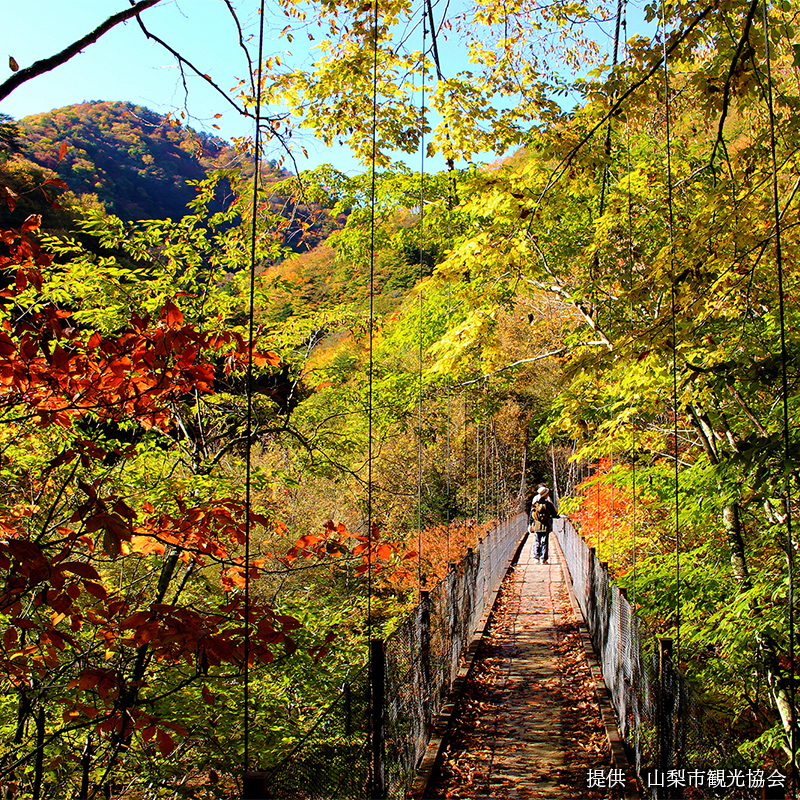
x,y
135,161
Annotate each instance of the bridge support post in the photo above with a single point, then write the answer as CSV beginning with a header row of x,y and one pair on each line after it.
x,y
666,711
425,652
377,669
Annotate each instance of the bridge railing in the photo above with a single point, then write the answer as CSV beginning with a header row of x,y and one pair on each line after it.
x,y
420,661
662,720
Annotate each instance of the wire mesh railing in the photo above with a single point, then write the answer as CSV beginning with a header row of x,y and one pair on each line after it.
x,y
420,661
337,739
675,743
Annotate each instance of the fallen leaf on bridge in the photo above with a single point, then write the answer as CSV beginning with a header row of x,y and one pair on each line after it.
x,y
528,725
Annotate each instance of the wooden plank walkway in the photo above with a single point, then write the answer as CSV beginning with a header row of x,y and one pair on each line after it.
x,y
528,725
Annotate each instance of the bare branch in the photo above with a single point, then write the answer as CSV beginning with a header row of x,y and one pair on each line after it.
x,y
551,354
51,62
561,168
749,413
242,45
556,288
184,61
726,95
585,311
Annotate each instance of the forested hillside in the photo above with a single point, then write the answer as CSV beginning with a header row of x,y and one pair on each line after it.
x,y
132,161
136,162
609,307
128,161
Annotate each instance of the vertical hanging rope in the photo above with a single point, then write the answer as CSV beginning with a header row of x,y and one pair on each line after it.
x,y
466,455
493,467
629,166
606,177
372,214
249,390
488,475
633,510
597,504
613,526
671,220
785,392
421,303
477,470
373,767
448,487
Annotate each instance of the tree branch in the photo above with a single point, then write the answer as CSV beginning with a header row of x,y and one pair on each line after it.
x,y
706,436
184,61
516,364
654,67
749,413
583,310
242,45
51,62
726,95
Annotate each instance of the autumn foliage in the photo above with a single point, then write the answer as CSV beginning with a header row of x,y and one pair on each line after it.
x,y
604,513
89,599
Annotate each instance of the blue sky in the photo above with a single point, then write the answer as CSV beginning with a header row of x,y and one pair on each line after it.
x,y
123,65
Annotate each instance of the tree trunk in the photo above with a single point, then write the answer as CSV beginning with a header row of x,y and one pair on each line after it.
x,y
733,528
776,679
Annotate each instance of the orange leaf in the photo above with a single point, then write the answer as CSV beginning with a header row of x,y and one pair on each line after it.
x,y
384,551
264,359
173,316
147,545
32,223
10,196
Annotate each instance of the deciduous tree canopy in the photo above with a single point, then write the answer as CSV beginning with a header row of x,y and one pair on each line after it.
x,y
608,294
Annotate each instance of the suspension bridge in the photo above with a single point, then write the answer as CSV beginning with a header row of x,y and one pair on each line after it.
x,y
393,730
387,733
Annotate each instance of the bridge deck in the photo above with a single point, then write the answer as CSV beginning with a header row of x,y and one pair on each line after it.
x,y
528,725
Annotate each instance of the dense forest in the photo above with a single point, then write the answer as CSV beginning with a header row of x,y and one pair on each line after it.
x,y
128,161
132,161
610,307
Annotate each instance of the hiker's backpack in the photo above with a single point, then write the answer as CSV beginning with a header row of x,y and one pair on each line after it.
x,y
540,513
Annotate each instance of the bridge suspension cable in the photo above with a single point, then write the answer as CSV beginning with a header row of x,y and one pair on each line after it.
x,y
421,303
375,703
785,397
673,316
249,391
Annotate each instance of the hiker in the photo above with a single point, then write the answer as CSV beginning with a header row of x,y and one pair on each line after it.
x,y
541,522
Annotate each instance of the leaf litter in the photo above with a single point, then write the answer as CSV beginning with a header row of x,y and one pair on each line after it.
x,y
482,759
